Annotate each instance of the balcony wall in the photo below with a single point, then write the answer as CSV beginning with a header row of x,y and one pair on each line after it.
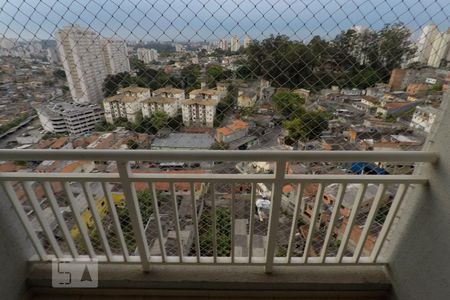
x,y
420,259
15,249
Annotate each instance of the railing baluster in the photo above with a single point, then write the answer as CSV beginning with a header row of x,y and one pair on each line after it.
x,y
214,220
59,219
312,222
77,216
135,214
275,207
232,219
195,220
116,221
158,221
334,215
351,222
177,220
48,232
399,196
298,204
370,217
15,202
252,222
97,220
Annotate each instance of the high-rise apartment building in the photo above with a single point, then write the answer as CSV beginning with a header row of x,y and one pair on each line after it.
x,y
425,43
147,55
223,44
234,44
439,49
247,41
81,55
115,56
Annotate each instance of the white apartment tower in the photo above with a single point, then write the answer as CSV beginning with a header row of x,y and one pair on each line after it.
x,y
234,43
247,41
147,55
115,56
439,49
81,55
223,44
425,43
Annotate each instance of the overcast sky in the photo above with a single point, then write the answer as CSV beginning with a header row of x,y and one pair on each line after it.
x,y
209,20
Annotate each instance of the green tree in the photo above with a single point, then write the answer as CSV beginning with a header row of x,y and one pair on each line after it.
x,y
159,119
216,73
113,83
288,104
206,236
132,144
306,127
189,77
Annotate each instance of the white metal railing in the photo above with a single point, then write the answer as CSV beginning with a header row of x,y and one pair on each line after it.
x,y
51,216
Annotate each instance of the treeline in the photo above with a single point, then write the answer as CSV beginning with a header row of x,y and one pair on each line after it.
x,y
352,59
189,78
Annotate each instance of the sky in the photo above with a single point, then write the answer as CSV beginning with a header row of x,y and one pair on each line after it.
x,y
210,20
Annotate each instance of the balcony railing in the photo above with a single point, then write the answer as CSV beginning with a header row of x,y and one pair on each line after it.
x,y
148,217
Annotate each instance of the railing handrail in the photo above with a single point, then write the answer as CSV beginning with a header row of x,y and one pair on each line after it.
x,y
225,155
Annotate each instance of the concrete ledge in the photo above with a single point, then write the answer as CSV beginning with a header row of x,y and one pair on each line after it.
x,y
198,279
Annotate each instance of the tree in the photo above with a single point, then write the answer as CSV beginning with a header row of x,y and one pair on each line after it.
x,y
288,104
113,83
132,144
159,119
189,77
307,127
216,73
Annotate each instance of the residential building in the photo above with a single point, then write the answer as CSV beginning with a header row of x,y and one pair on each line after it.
x,y
179,48
115,56
121,107
396,79
140,93
81,55
394,108
147,55
423,118
440,49
223,44
415,89
199,112
235,130
234,43
247,97
247,42
302,93
127,104
74,118
52,56
425,43
167,100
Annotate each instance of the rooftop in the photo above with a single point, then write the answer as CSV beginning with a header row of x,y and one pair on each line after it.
x,y
133,89
160,99
168,90
184,141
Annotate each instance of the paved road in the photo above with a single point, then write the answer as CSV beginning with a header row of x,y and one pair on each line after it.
x,y
12,137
